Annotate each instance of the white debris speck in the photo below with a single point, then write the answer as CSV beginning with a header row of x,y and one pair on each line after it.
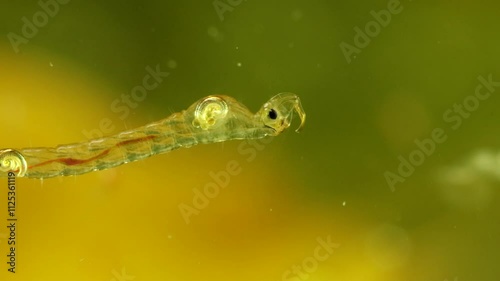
x,y
51,64
238,64
343,203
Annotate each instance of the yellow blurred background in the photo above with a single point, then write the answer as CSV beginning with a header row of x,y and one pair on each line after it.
x,y
310,206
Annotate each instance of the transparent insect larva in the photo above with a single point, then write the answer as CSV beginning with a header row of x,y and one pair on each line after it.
x,y
214,118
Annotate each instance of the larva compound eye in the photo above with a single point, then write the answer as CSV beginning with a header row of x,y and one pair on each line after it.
x,y
272,114
209,111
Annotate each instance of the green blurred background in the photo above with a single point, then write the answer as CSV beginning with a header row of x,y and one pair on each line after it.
x,y
441,223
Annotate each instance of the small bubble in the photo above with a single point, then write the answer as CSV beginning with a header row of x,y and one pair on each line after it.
x,y
343,203
172,64
237,48
51,64
215,33
238,64
270,210
296,15
170,237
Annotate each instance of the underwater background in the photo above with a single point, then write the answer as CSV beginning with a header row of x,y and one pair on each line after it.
x,y
395,176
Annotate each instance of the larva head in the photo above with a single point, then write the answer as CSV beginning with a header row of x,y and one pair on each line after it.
x,y
277,113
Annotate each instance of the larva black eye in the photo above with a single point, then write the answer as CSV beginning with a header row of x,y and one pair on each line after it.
x,y
272,114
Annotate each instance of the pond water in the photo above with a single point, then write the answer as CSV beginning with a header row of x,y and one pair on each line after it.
x,y
394,177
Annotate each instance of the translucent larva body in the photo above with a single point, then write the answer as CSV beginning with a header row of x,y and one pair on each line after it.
x,y
210,120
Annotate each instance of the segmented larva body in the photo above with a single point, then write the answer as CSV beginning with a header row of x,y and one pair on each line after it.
x,y
212,119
